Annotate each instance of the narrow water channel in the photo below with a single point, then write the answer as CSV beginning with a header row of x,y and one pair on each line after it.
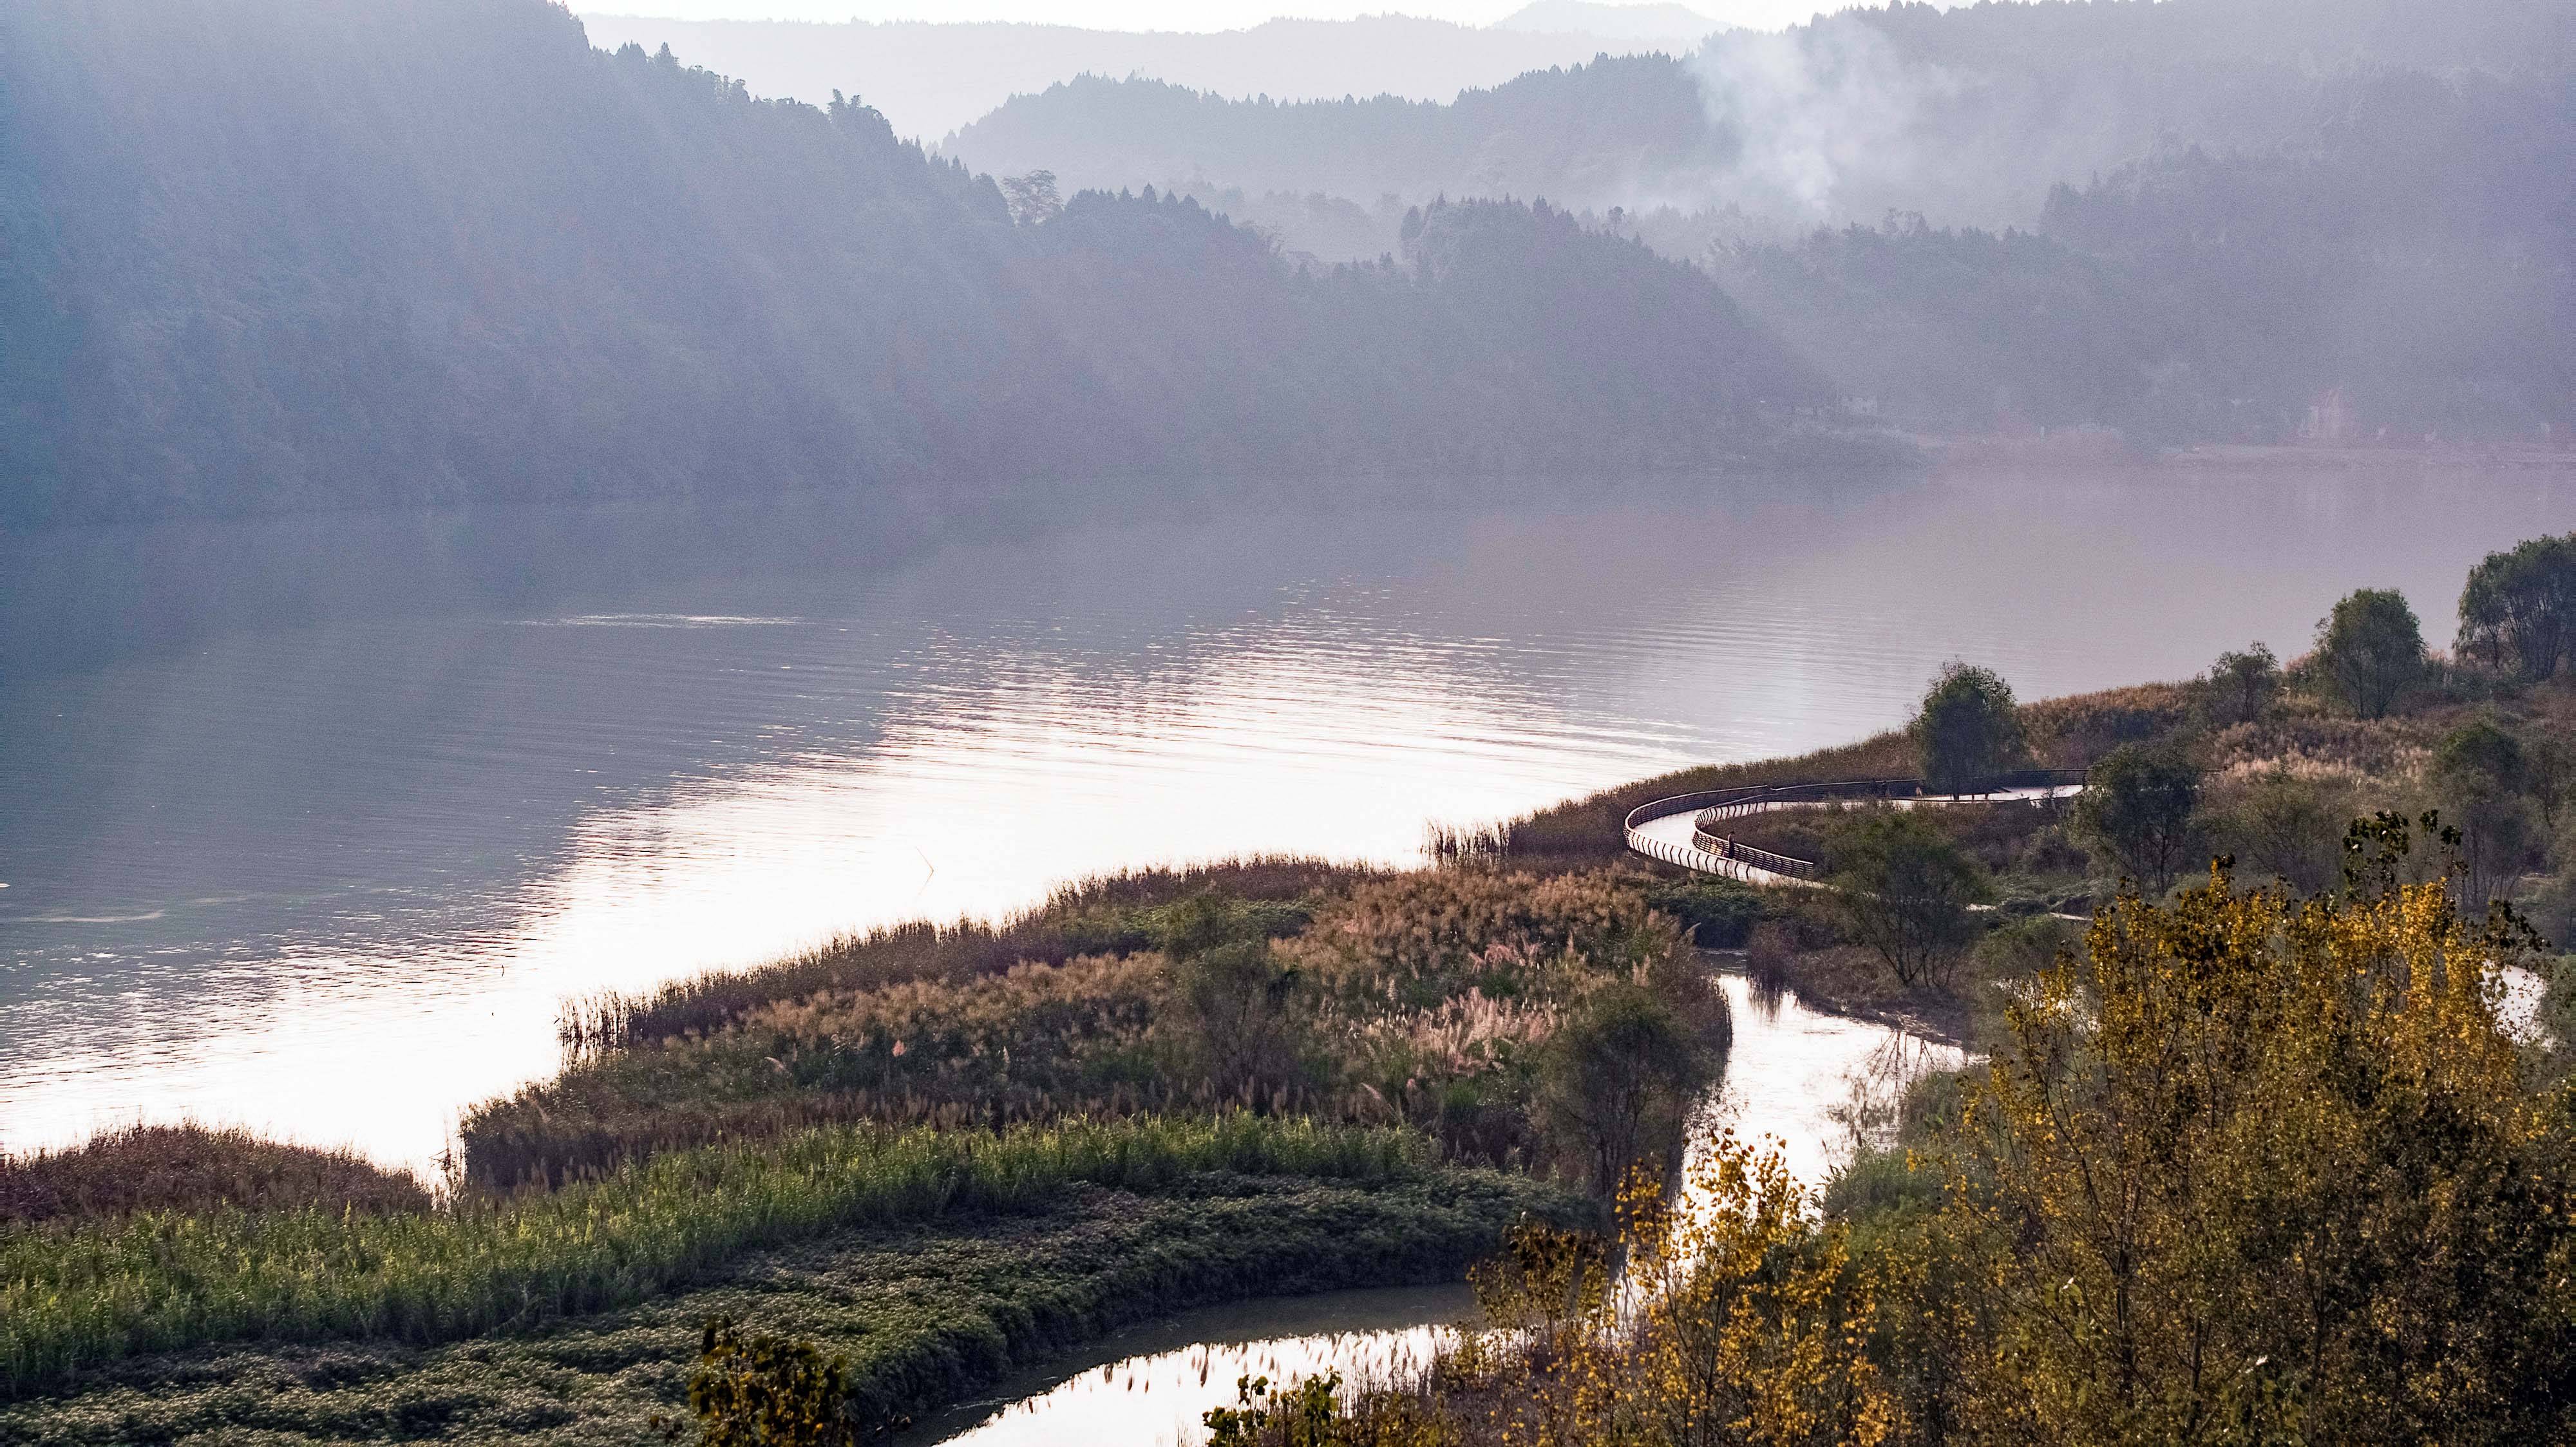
x,y
1793,1077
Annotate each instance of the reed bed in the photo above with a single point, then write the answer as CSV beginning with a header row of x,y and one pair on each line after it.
x,y
79,1298
1324,988
195,1168
1105,914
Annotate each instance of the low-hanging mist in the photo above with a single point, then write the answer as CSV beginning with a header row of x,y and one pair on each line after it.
x,y
440,251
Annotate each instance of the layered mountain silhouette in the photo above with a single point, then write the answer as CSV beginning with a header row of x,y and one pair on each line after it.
x,y
289,255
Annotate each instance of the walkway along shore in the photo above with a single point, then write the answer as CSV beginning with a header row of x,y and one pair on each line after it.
x,y
1689,829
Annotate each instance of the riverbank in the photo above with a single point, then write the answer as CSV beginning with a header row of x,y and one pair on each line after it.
x,y
2102,447
1109,1048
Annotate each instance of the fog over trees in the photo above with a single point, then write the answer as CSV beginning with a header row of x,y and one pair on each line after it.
x,y
2191,221
272,257
1969,115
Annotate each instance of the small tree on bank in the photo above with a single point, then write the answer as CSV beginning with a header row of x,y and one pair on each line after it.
x,y
2241,684
2287,827
2483,773
2519,607
2139,812
1968,730
2371,650
1620,1076
1903,890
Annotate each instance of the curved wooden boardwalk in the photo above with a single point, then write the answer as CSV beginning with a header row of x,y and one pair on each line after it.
x,y
1690,829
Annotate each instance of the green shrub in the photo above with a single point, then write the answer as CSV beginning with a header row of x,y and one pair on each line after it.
x,y
2140,812
768,1391
1619,1080
2285,826
1903,890
2370,650
1718,913
2483,773
1967,731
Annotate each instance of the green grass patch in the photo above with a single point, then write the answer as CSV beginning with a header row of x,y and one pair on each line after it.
x,y
74,1298
926,1313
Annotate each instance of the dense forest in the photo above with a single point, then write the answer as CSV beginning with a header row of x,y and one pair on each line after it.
x,y
274,258
443,250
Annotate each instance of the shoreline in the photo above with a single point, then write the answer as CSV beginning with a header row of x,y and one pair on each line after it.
x,y
2108,451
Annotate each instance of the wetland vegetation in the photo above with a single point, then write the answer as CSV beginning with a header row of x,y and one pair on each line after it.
x,y
903,1162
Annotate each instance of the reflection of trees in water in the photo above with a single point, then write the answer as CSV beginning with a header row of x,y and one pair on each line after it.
x,y
1766,966
1874,1102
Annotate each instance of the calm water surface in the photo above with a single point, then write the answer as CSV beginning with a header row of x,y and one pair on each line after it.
x,y
331,880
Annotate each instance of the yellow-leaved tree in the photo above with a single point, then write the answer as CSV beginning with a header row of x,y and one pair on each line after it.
x,y
2255,1170
1752,1322
1734,1320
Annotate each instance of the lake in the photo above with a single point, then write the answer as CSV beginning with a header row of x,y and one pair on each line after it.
x,y
330,878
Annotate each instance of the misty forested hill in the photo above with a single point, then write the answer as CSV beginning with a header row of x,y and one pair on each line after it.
x,y
2191,221
1573,134
2406,269
1969,115
267,257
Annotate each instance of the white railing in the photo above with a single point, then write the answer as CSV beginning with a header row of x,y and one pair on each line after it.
x,y
1714,853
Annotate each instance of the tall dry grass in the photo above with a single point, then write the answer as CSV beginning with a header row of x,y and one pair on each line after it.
x,y
1419,998
195,1168
1103,914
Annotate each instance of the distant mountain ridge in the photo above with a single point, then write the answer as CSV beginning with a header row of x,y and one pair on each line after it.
x,y
1968,115
1600,130
929,78
1652,23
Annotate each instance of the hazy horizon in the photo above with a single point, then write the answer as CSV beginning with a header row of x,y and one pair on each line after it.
x,y
1174,16
932,78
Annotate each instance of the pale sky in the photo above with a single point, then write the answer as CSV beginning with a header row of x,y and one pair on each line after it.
x,y
1159,14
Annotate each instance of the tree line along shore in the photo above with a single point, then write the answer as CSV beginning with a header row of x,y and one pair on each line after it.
x,y
2251,1144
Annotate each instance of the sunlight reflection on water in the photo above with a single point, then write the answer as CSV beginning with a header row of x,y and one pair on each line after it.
x,y
332,880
